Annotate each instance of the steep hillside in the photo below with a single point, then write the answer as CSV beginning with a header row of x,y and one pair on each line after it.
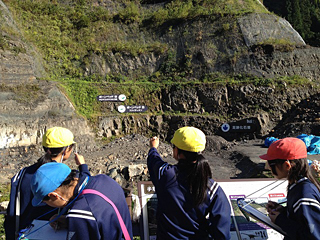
x,y
125,41
199,63
28,106
189,62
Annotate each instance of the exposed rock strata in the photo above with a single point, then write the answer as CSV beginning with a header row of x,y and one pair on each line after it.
x,y
211,106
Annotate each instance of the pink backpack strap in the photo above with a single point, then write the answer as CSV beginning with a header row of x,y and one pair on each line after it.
x,y
122,225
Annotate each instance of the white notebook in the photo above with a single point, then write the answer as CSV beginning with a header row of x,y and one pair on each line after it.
x,y
46,232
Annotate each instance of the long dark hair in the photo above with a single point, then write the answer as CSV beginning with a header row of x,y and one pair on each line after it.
x,y
198,174
50,153
299,169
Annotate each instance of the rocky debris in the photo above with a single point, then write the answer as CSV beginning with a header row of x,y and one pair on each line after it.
x,y
125,159
217,143
301,118
4,206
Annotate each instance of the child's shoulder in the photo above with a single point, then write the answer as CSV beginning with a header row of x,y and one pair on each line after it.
x,y
307,188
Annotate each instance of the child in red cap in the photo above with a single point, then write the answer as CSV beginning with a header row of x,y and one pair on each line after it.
x,y
287,158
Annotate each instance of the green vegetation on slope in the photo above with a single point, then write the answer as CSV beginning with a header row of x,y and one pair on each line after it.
x,y
66,34
83,93
183,10
4,196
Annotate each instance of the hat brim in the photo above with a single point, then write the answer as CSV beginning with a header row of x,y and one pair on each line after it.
x,y
266,157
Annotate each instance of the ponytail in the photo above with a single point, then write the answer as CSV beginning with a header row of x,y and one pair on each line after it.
x,y
198,174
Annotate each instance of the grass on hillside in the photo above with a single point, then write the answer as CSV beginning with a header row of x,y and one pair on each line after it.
x,y
83,93
4,196
186,10
67,33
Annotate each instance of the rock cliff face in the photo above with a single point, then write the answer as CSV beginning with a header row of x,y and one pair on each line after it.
x,y
19,62
27,110
266,105
248,45
262,45
28,106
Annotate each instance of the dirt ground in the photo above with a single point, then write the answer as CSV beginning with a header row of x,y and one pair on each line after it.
x,y
237,159
227,159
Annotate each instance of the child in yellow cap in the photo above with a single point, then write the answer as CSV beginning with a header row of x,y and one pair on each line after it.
x,y
287,159
191,205
57,143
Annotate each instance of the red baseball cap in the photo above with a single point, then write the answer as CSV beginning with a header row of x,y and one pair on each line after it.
x,y
286,148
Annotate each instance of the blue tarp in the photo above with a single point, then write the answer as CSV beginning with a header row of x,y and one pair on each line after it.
x,y
312,143
269,140
306,138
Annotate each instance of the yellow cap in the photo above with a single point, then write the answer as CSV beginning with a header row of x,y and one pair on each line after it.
x,y
57,137
190,139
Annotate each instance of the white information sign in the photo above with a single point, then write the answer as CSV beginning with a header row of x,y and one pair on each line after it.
x,y
256,192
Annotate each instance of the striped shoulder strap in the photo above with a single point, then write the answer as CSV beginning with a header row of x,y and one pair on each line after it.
x,y
18,178
122,225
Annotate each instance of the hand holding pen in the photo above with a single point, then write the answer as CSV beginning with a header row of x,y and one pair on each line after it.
x,y
274,209
79,159
60,223
57,222
273,206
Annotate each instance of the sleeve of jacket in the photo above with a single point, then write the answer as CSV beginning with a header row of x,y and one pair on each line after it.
x,y
308,211
84,170
9,223
220,216
156,165
288,225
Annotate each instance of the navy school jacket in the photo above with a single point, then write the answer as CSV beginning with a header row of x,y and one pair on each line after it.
x,y
91,217
27,211
301,219
176,216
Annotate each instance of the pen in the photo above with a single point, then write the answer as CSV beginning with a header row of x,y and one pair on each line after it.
x,y
282,201
56,227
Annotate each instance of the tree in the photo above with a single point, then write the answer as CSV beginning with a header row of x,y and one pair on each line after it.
x,y
304,16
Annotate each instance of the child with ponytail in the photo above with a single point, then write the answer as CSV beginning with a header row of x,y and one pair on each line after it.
x,y
300,219
191,205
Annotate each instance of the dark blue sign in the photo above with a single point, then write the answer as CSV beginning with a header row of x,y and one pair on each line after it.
x,y
245,126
